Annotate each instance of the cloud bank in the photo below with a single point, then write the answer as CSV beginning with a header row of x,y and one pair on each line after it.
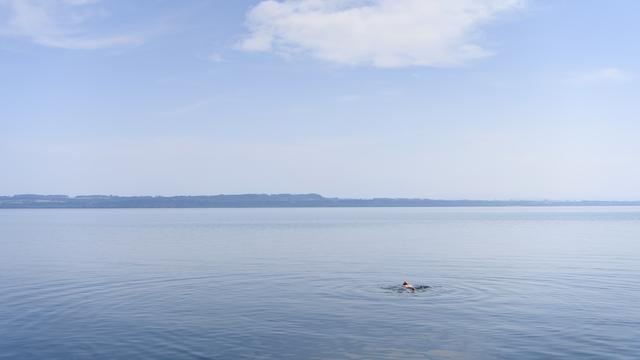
x,y
59,24
382,33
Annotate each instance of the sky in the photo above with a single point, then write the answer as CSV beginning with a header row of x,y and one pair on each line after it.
x,y
447,99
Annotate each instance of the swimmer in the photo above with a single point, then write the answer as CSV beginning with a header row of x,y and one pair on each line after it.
x,y
408,286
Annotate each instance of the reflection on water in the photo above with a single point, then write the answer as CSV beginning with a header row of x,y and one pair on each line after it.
x,y
320,283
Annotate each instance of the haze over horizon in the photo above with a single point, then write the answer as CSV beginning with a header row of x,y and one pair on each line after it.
x,y
459,99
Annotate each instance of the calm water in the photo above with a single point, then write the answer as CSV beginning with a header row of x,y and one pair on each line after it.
x,y
525,283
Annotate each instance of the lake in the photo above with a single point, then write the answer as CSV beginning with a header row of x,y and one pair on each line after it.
x,y
499,283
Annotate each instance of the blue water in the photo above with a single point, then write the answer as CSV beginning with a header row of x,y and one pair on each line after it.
x,y
516,283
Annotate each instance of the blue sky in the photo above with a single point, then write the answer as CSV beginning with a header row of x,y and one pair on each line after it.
x,y
493,99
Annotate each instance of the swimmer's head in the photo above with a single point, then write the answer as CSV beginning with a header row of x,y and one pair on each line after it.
x,y
405,283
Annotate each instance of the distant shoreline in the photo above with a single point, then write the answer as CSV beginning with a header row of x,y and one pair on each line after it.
x,y
32,201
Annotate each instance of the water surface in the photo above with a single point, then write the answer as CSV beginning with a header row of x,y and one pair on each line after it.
x,y
526,283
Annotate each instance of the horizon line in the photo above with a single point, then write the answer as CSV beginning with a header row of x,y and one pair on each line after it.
x,y
320,196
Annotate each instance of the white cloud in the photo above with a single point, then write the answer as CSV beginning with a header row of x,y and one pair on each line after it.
x,y
216,57
607,74
383,33
80,2
349,98
59,23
